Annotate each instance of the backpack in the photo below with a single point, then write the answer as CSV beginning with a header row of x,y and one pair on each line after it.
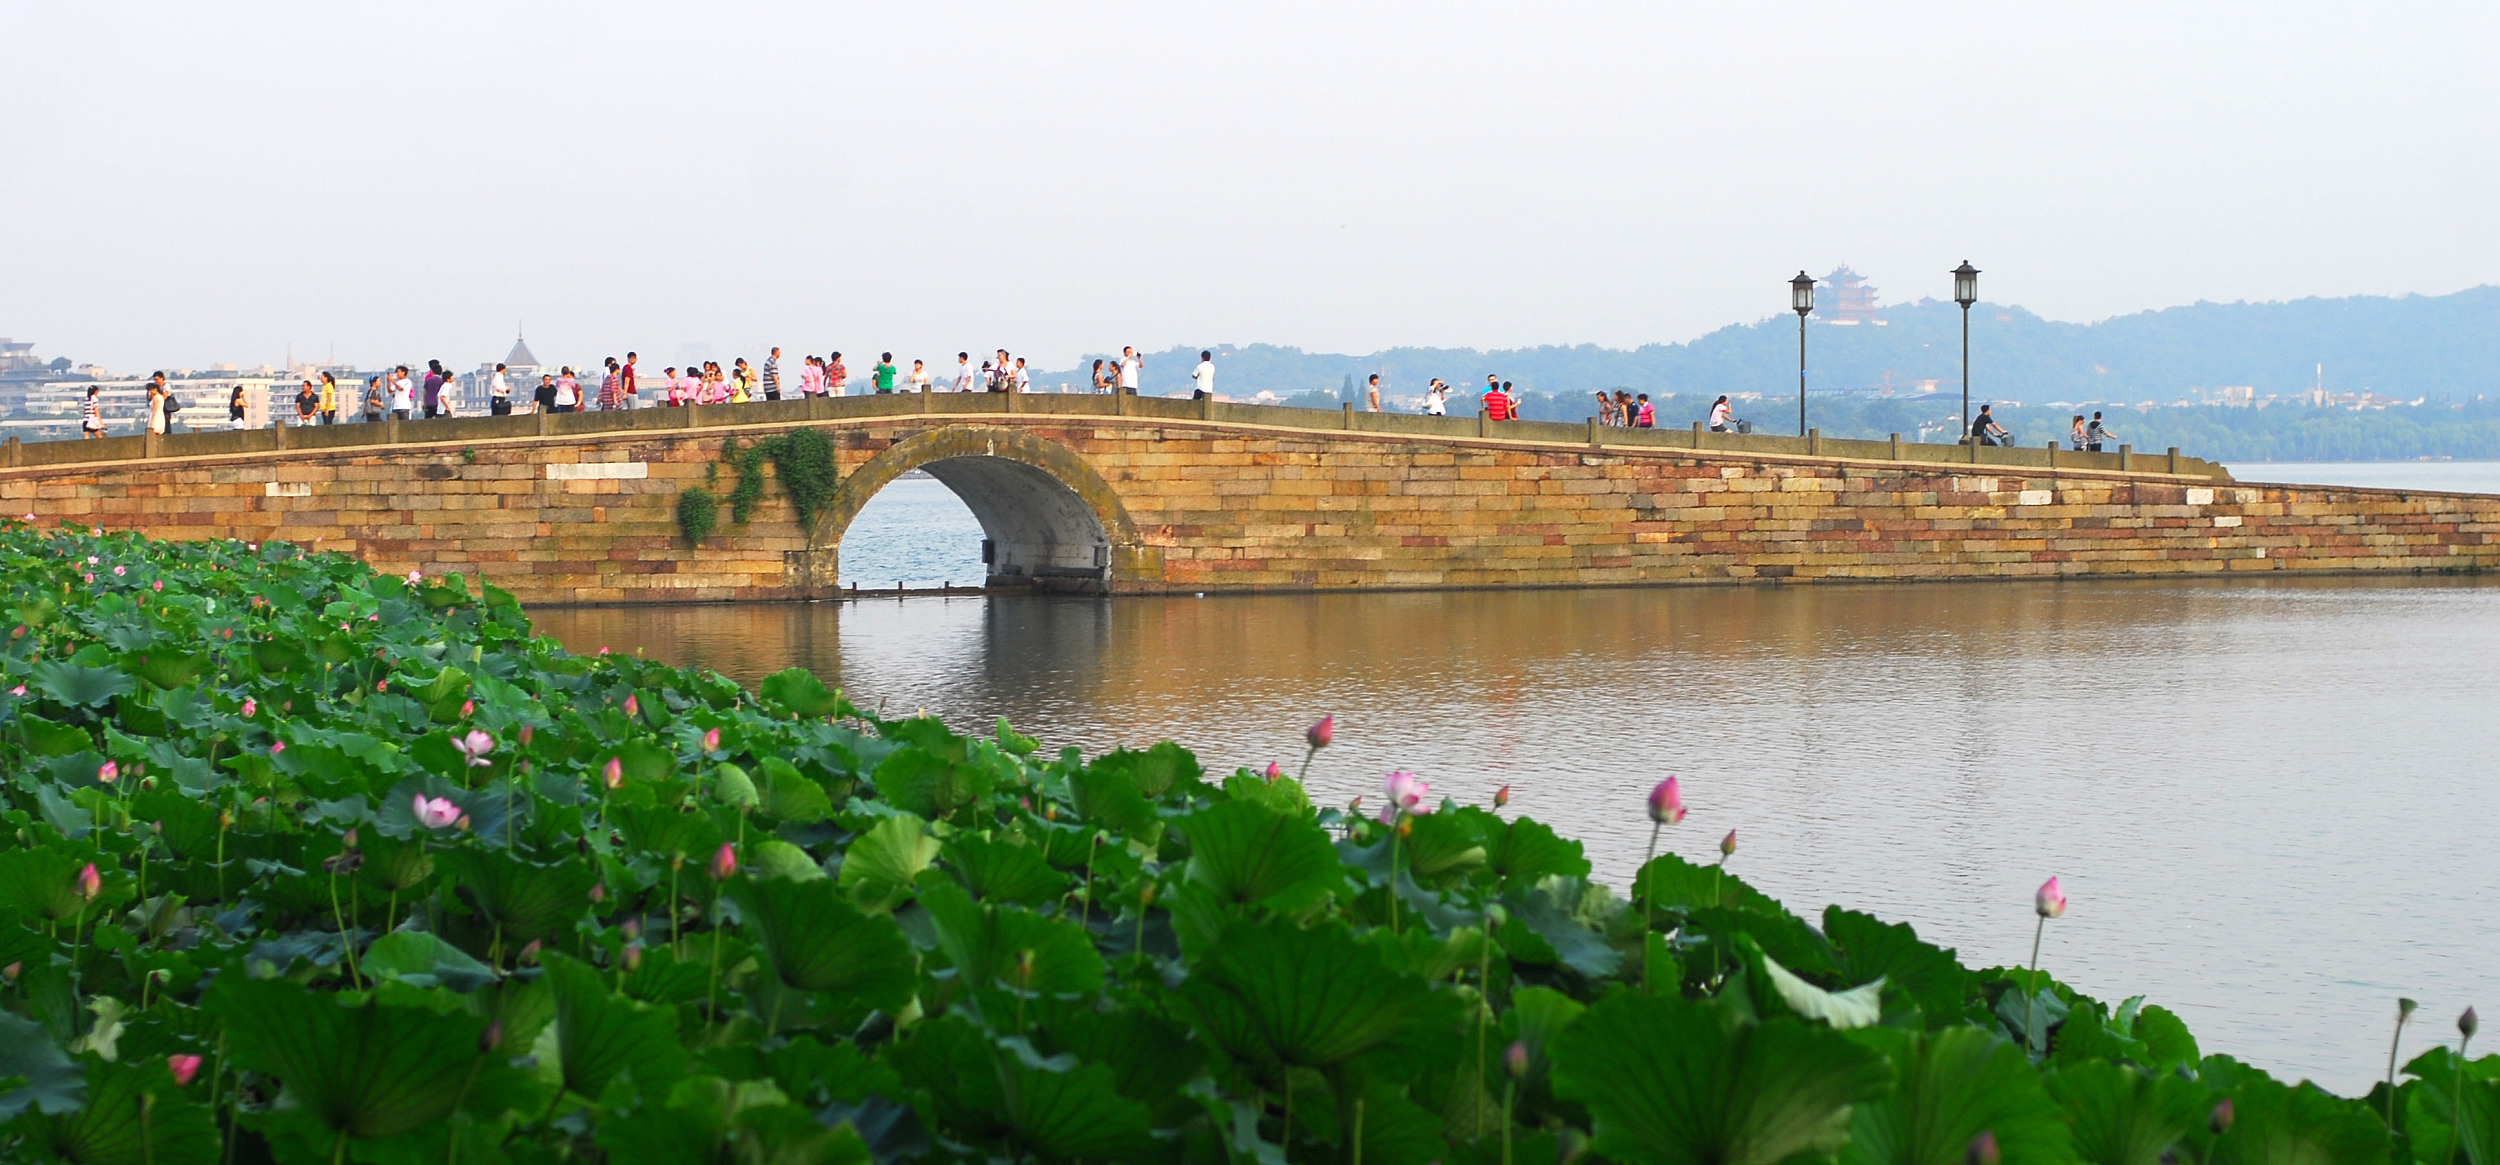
x,y
173,404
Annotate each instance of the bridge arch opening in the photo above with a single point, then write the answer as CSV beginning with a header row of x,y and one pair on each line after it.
x,y
1047,520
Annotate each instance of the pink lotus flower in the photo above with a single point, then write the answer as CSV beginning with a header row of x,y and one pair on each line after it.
x,y
108,772
1274,771
120,571
184,1068
1666,802
158,584
30,516
724,863
91,560
1406,796
251,707
1727,845
614,772
415,577
89,576
468,707
475,746
2050,901
90,883
603,649
373,618
19,690
276,747
633,707
1322,733
381,685
435,812
711,740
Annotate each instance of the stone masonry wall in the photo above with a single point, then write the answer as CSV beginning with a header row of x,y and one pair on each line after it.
x,y
1223,505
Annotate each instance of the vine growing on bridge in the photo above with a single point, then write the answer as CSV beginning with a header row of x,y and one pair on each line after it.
x,y
698,510
801,458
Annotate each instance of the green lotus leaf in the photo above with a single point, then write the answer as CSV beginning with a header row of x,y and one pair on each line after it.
x,y
734,787
422,959
1282,795
986,944
1002,870
527,900
1108,797
786,795
775,858
1952,1086
919,781
1057,1107
1150,1057
41,882
360,1071
45,738
1155,771
1669,882
1779,989
2275,1124
667,832
881,865
1524,851
2118,1115
1543,928
816,940
1868,948
1277,994
802,694
600,1036
1438,845
78,686
134,1116
1673,1081
644,761
1247,854
34,1072
171,669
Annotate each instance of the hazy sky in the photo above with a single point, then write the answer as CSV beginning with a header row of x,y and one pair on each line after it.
x,y
191,183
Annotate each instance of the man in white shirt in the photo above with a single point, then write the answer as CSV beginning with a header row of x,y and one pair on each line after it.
x,y
1024,379
1203,376
963,372
1130,368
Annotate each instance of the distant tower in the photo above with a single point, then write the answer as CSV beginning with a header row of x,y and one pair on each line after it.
x,y
1853,301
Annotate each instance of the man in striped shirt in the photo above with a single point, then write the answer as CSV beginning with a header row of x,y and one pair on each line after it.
x,y
612,387
772,375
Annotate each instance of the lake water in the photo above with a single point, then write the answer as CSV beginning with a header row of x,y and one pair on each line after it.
x,y
2272,802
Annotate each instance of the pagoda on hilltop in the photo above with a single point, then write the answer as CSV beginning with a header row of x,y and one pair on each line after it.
x,y
1853,299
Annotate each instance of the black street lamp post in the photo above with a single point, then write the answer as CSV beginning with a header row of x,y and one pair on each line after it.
x,y
1801,297
1966,293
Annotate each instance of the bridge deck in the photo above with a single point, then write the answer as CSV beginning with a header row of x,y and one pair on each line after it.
x,y
836,410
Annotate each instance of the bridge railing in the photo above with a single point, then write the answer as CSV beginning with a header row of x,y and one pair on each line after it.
x,y
856,408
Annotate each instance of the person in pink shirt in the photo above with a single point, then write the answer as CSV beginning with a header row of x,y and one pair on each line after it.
x,y
812,378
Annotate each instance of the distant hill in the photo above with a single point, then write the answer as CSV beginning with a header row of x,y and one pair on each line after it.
x,y
2444,346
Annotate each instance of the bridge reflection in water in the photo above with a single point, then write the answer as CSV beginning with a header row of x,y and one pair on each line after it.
x,y
2267,795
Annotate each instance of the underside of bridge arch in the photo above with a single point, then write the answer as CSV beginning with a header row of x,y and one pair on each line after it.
x,y
1048,520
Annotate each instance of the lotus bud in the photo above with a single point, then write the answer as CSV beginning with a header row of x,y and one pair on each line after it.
x,y
2404,1010
468,707
491,1038
11,971
1727,845
276,747
1050,811
633,957
2219,1120
598,893
1024,965
1666,802
711,740
1274,771
1515,1060
90,883
633,707
381,685
2050,901
184,1068
2466,1023
464,821
108,772
632,929
1322,733
527,731
614,773
1983,1150
724,862
1146,895
1406,827
1501,796
529,954
1024,803
225,819
250,707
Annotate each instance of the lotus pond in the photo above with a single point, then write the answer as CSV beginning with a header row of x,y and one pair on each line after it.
x,y
309,864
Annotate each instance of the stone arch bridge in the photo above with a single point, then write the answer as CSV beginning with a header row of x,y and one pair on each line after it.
x,y
1137,494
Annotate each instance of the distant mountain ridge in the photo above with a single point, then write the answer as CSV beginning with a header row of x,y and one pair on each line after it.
x,y
2445,346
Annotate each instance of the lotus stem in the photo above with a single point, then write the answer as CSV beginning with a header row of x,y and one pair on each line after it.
x,y
1286,1142
675,951
711,981
2392,1046
147,1140
1642,878
1510,1093
1085,893
1305,770
1394,819
347,942
2031,986
1358,1131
